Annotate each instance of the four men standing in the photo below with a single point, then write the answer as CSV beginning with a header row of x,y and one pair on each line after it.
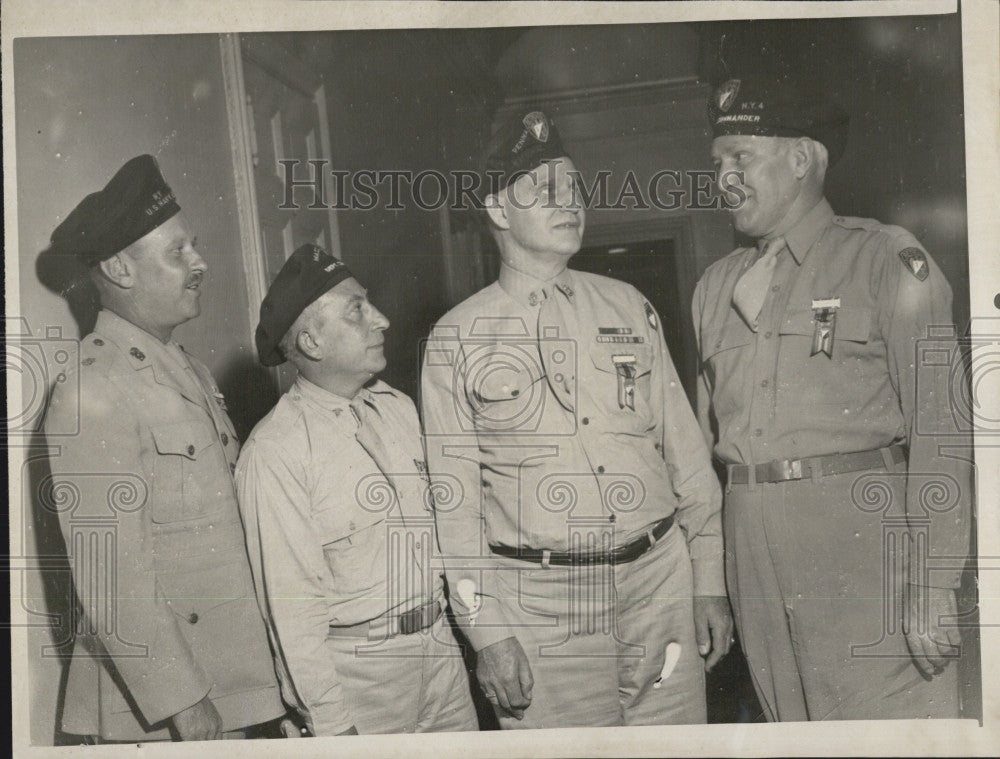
x,y
573,498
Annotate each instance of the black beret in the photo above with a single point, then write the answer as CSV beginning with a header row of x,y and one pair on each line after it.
x,y
135,202
779,107
520,144
308,273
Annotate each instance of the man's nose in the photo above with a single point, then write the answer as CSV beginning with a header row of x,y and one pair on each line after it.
x,y
728,177
379,320
197,262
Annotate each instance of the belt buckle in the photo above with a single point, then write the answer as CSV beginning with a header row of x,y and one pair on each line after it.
x,y
791,469
409,622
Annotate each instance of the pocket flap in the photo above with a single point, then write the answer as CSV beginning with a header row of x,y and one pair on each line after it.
x,y
186,439
603,356
501,381
733,335
851,324
195,593
336,524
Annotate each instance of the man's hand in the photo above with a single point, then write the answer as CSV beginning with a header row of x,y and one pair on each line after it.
x,y
932,643
505,676
713,627
200,722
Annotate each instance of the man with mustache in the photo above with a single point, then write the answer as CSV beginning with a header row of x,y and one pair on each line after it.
x,y
170,643
826,393
337,506
581,534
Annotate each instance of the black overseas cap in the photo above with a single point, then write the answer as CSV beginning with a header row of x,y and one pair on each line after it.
x,y
778,107
308,273
523,142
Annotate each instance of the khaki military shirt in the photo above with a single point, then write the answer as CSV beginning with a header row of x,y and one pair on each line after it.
x,y
763,397
334,537
537,436
144,492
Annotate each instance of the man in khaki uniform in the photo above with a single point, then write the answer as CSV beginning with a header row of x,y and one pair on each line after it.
x,y
826,351
334,494
170,643
581,526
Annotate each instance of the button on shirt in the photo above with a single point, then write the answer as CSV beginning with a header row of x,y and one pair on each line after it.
x,y
763,397
538,437
333,537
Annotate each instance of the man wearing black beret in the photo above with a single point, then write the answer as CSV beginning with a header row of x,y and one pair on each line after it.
x,y
846,526
338,512
585,554
171,644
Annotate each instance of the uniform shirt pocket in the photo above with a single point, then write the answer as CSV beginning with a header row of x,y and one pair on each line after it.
x,y
188,472
821,380
611,384
354,543
505,393
852,324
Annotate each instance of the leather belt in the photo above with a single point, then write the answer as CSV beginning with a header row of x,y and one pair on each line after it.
x,y
802,469
621,555
391,624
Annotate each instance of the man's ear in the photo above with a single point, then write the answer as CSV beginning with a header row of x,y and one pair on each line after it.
x,y
307,346
117,271
802,155
496,209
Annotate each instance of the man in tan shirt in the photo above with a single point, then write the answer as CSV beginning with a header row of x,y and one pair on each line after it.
x,y
170,644
826,352
338,513
584,538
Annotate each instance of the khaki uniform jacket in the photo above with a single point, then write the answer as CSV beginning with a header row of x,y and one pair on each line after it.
x,y
148,510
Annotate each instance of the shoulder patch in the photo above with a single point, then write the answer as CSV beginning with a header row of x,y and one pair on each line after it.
x,y
915,261
651,316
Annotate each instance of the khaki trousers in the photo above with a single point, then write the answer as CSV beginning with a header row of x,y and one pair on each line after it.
x,y
596,638
815,583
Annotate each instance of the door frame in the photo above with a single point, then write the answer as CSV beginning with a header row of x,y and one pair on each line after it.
x,y
243,142
679,228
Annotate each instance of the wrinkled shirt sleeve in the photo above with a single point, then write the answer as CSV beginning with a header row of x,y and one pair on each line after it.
x,y
922,351
452,458
291,579
697,489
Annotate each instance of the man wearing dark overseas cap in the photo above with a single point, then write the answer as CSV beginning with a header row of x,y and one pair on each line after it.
x,y
338,511
583,548
846,523
170,644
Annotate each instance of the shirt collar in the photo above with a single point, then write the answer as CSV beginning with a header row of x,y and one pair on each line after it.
x,y
315,394
530,291
142,348
807,230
